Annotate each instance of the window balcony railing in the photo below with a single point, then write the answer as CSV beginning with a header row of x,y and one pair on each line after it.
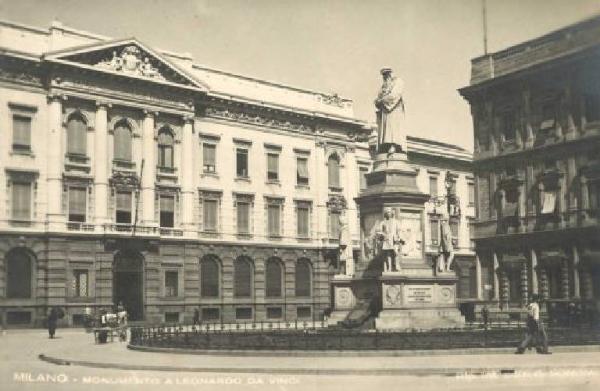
x,y
79,226
171,232
129,228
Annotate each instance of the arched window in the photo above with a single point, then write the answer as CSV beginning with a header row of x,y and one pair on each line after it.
x,y
165,148
303,278
76,135
19,266
122,142
333,171
274,277
243,274
209,276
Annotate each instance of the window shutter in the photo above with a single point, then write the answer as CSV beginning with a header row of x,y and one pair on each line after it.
x,y
122,143
243,212
303,221
76,136
273,275
274,220
208,154
209,278
334,225
333,169
273,165
549,202
302,168
21,201
210,215
77,200
18,275
243,278
433,186
21,130
167,204
303,278
124,201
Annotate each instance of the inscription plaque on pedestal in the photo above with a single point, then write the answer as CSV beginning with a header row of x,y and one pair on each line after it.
x,y
419,294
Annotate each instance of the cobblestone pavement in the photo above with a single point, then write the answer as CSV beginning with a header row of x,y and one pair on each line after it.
x,y
109,367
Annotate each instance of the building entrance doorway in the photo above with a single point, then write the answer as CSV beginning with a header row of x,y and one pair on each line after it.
x,y
128,283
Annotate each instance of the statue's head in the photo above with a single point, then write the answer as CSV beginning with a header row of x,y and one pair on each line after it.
x,y
386,72
388,213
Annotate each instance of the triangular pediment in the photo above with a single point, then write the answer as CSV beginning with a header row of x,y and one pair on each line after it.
x,y
127,57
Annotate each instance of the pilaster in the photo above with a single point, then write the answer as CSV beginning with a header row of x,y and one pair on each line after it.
x,y
55,159
149,172
187,177
101,164
575,264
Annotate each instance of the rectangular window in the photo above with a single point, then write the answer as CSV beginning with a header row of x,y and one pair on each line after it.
x,y
363,178
433,186
167,211
471,187
209,161
303,313
243,313
171,317
302,171
171,283
594,195
210,214
77,204
241,159
21,133
123,215
274,220
272,167
243,217
80,283
210,314
274,313
434,226
334,225
21,201
303,217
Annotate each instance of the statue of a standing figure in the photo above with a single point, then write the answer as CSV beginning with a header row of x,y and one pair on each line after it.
x,y
391,135
391,241
446,257
346,251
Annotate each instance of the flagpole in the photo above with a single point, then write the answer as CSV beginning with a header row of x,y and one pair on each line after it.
x,y
484,11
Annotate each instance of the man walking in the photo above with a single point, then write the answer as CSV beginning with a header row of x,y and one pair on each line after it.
x,y
535,329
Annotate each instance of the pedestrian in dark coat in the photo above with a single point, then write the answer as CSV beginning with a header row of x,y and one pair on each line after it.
x,y
52,321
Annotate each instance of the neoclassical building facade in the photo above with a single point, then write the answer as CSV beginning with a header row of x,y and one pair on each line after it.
x,y
536,115
130,174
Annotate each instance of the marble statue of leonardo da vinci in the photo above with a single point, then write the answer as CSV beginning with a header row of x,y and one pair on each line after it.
x,y
391,132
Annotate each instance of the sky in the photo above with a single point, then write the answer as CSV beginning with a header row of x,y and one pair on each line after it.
x,y
329,45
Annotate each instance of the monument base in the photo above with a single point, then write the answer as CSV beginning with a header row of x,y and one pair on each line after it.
x,y
417,299
419,318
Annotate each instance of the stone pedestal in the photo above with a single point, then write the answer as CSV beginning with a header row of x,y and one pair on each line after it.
x,y
415,299
414,296
344,299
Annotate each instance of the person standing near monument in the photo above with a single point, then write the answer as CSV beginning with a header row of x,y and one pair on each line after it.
x,y
391,134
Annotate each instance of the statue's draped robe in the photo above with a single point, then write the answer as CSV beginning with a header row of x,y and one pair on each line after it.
x,y
390,115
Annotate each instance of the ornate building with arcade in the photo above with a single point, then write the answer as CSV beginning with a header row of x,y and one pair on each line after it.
x,y
130,174
536,115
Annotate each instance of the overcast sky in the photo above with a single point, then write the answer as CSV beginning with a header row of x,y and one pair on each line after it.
x,y
331,46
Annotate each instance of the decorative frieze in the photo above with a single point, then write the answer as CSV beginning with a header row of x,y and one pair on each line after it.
x,y
255,119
